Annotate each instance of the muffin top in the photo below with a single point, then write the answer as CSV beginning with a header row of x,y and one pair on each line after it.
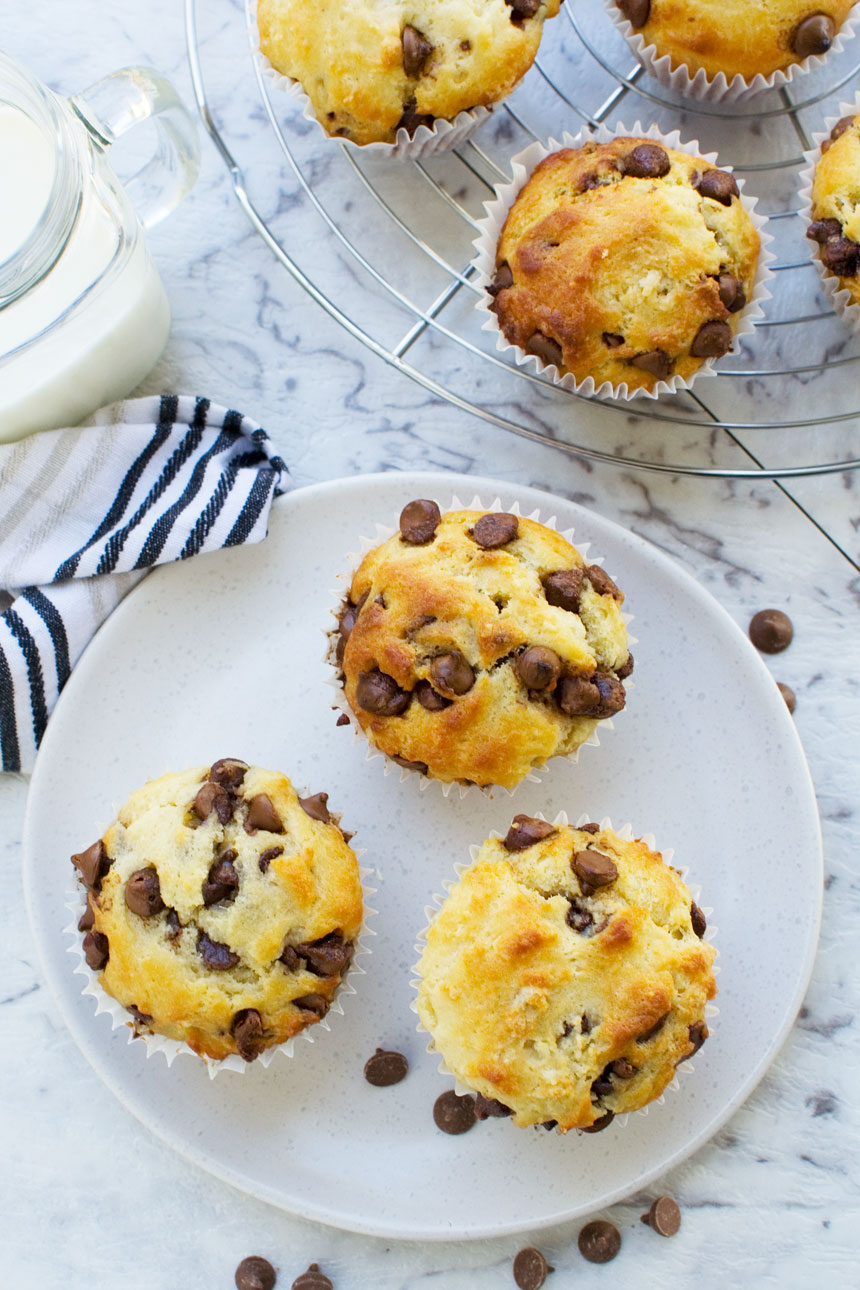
x,y
625,261
474,645
564,976
836,204
737,37
222,908
369,69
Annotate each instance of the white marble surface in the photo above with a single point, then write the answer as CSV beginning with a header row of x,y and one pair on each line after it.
x,y
88,1197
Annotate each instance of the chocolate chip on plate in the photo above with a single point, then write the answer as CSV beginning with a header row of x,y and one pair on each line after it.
x,y
316,807
429,699
502,279
216,956
697,918
228,772
664,1216
452,674
593,869
92,864
563,588
454,1114
379,694
636,12
213,797
525,831
813,35
490,1108
599,1241
719,185
247,1030
419,521
647,161
655,361
545,347
602,583
222,881
255,1273
771,631
712,340
262,815
385,1068
313,1279
416,51
537,667
788,694
96,950
143,893
530,1269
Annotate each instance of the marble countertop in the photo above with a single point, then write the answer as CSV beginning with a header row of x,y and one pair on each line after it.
x,y
89,1197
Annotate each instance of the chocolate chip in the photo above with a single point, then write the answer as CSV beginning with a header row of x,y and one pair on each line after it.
x,y
454,1114
379,694
653,1030
87,918
96,950
545,348
655,361
143,893
316,807
346,622
549,1125
647,161
452,674
771,631
719,185
290,959
495,529
502,279
612,340
228,772
611,691
579,918
598,696
697,918
247,1030
222,881
530,1269
814,35
821,230
563,588
419,521
635,11
589,182
599,1241
731,292
255,1273
625,669
313,1279
408,764
416,50
602,583
712,340
267,857
698,1034
412,119
588,828
216,956
621,1068
490,1108
262,815
429,699
842,256
525,831
664,1216
316,1003
602,1122
140,1018
93,864
343,720
329,956
844,123
538,668
602,1085
593,869
788,694
385,1068
213,797
523,9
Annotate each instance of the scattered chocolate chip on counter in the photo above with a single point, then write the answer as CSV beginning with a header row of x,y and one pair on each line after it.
x,y
771,631
600,1241
255,1273
531,1269
385,1068
454,1114
788,694
664,1216
313,1279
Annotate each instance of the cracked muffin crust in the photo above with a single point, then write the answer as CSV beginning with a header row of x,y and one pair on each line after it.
x,y
222,909
737,37
564,977
474,645
625,261
836,204
369,69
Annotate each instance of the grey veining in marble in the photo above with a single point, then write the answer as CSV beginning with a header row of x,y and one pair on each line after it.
x,y
89,1198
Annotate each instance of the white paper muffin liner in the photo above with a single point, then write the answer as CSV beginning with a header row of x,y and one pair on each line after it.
x,y
719,88
496,211
440,137
839,297
339,701
685,1069
170,1049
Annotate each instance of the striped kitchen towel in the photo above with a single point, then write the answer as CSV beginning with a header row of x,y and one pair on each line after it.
x,y
84,513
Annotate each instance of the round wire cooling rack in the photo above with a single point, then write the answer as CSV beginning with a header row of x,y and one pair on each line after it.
x,y
385,247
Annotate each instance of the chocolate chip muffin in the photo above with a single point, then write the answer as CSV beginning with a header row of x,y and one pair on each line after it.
x,y
835,222
222,909
371,69
625,261
736,37
474,645
565,976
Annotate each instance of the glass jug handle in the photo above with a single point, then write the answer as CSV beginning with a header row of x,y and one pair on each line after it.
x,y
121,101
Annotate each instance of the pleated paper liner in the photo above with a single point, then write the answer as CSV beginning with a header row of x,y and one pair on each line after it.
x,y
339,702
720,88
170,1049
684,1069
490,227
839,297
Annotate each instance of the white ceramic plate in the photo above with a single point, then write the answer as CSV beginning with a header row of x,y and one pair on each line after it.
x,y
223,656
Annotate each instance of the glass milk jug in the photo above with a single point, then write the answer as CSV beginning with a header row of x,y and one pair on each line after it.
x,y
83,313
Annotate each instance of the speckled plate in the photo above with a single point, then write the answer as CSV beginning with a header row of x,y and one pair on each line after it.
x,y
222,655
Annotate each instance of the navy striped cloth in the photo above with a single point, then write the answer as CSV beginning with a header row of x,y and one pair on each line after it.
x,y
85,513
